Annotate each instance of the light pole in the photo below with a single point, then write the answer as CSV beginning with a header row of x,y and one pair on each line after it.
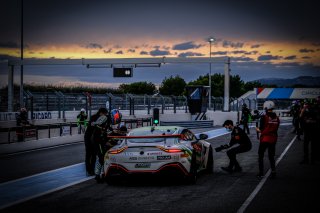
x,y
211,39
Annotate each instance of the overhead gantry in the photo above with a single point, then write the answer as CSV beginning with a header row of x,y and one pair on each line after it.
x,y
126,62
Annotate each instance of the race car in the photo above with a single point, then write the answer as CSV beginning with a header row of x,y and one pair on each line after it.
x,y
159,150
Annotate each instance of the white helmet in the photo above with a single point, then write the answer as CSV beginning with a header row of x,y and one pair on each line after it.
x,y
268,105
82,110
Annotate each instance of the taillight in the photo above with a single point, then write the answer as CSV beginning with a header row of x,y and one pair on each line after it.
x,y
170,150
117,151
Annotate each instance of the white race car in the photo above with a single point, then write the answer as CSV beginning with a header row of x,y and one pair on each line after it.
x,y
159,150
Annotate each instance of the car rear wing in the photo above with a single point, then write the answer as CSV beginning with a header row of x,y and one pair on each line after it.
x,y
146,136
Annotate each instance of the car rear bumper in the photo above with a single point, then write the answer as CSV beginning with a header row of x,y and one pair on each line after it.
x,y
167,169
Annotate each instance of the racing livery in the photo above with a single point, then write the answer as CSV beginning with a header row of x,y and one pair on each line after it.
x,y
159,150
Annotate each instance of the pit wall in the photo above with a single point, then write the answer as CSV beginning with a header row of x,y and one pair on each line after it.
x,y
50,117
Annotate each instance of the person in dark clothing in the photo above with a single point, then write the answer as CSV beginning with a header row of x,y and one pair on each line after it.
x,y
238,136
101,127
22,121
295,113
90,157
269,124
309,119
245,118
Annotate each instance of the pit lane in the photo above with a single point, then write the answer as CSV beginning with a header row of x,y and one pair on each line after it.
x,y
219,192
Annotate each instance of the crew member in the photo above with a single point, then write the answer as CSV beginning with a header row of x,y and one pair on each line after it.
x,y
309,119
269,125
295,111
246,114
101,127
82,121
90,156
238,136
22,121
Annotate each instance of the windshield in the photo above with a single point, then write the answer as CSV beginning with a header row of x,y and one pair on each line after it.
x,y
152,132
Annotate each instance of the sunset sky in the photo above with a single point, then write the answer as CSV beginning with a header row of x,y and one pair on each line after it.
x,y
265,39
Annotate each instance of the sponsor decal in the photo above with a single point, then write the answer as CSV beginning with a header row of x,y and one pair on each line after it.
x,y
154,153
133,158
164,157
142,165
176,157
129,153
113,159
146,158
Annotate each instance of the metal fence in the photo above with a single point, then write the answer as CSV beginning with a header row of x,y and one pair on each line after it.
x,y
58,101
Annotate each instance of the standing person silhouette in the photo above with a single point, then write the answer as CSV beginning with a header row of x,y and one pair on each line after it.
x,y
269,125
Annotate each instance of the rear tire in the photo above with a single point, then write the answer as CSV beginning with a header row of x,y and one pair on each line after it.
x,y
192,178
210,162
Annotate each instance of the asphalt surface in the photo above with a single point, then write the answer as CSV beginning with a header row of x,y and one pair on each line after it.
x,y
295,189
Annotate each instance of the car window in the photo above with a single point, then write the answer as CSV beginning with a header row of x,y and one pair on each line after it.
x,y
155,132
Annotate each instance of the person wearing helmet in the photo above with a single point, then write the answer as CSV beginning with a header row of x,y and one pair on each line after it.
x,y
101,129
268,129
82,121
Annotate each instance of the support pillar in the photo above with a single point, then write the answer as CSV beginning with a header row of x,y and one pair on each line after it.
x,y
10,88
226,107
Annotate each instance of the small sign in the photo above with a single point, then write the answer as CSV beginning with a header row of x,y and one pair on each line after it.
x,y
65,130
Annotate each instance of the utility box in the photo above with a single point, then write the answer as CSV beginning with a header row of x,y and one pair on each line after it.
x,y
197,98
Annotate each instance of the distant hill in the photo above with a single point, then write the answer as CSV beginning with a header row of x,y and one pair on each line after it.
x,y
302,81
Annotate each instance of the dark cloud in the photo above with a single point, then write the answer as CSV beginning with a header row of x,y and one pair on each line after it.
x,y
108,51
117,46
120,52
239,52
165,47
306,57
186,46
232,44
270,52
251,53
316,44
131,50
305,50
158,52
220,53
268,57
9,44
290,57
255,46
186,54
144,53
93,46
241,59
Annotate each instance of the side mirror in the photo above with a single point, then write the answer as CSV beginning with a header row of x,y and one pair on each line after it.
x,y
203,136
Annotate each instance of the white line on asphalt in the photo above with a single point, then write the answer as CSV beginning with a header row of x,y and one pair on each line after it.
x,y
44,193
42,173
259,186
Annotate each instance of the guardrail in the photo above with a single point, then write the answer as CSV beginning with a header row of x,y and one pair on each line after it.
x,y
32,131
13,134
